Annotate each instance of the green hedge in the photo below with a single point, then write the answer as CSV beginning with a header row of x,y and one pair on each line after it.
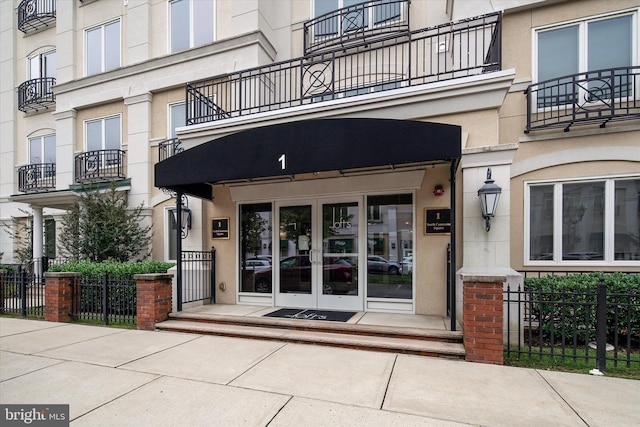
x,y
114,269
565,306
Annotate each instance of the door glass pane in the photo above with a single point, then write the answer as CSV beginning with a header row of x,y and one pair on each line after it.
x,y
112,46
541,222
180,28
50,149
609,47
34,67
203,23
386,12
178,118
295,249
112,133
49,64
256,247
94,135
583,221
557,56
627,220
355,20
35,151
94,51
390,246
327,27
340,249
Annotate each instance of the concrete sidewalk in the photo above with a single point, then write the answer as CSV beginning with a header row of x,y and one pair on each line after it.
x,y
115,377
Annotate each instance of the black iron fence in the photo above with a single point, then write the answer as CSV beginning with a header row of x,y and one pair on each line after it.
x,y
37,177
459,49
36,14
100,165
198,276
595,97
36,94
21,292
169,147
104,299
583,324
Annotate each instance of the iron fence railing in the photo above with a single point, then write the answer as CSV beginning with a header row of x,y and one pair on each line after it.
x,y
21,292
169,147
453,50
578,325
37,177
36,14
104,299
353,24
36,94
100,165
198,276
595,97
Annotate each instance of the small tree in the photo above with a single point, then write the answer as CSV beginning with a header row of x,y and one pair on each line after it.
x,y
99,227
21,230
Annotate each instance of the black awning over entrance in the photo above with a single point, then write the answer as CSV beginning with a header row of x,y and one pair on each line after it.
x,y
305,147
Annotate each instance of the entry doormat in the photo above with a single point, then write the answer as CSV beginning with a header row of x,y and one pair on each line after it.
x,y
296,313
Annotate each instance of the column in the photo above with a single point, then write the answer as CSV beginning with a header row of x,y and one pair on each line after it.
x,y
59,296
38,239
153,295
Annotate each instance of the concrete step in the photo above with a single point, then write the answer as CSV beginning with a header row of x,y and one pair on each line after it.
x,y
415,341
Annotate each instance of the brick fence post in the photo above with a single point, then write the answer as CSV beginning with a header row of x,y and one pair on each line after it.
x,y
58,295
482,314
153,293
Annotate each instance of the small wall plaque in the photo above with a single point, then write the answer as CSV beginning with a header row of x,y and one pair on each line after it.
x,y
220,228
437,221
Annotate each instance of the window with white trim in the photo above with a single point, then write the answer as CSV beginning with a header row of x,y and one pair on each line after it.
x,y
102,48
598,43
42,65
583,221
103,134
42,149
177,117
191,23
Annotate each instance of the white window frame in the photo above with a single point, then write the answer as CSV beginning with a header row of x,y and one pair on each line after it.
x,y
168,214
583,38
169,116
103,136
102,46
41,73
609,223
41,138
191,41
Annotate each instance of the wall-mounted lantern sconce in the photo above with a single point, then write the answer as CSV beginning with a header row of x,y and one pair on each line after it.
x,y
185,216
489,195
438,190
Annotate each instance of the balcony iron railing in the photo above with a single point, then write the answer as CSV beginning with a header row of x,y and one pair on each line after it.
x,y
366,21
36,14
169,147
99,165
37,177
458,49
36,94
595,97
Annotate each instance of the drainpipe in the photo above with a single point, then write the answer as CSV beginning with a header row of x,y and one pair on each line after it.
x,y
452,237
179,251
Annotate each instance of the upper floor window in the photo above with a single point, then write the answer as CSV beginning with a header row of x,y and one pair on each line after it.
x,y
581,47
583,221
102,48
103,134
382,13
42,65
192,23
42,150
177,117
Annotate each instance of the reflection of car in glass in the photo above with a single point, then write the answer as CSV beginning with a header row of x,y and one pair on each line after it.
x,y
295,275
256,264
407,265
377,264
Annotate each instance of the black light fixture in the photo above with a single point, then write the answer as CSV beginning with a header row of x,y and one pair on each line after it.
x,y
185,216
489,195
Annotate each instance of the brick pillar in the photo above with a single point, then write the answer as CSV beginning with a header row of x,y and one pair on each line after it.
x,y
153,299
58,296
482,313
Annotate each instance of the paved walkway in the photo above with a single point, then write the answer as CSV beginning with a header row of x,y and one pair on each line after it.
x,y
115,377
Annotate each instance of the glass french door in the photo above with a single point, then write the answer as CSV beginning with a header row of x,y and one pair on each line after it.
x,y
318,261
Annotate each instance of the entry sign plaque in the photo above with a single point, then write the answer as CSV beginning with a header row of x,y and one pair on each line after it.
x,y
220,228
437,221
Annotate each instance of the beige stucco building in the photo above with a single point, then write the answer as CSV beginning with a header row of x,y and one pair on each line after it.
x,y
100,89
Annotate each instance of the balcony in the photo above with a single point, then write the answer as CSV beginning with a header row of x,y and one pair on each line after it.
x,y
169,147
592,98
37,177
36,94
34,15
364,22
453,50
99,166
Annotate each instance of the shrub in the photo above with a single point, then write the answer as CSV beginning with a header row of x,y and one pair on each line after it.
x,y
566,308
